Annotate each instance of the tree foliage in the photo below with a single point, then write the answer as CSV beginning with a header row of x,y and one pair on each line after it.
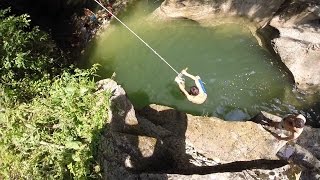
x,y
50,117
26,54
54,136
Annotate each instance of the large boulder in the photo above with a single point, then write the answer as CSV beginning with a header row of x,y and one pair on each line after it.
x,y
160,142
215,11
298,43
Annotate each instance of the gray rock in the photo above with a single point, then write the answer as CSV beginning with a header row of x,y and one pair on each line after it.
x,y
302,157
213,11
163,143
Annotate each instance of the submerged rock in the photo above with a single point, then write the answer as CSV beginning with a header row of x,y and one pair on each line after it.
x,y
160,142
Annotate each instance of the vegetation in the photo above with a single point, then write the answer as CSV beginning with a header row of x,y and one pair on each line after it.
x,y
50,118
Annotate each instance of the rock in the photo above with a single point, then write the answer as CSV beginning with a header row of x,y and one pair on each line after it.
x,y
310,140
302,157
304,151
298,41
122,110
160,142
213,11
245,140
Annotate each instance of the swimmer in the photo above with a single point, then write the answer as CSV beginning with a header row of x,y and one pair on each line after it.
x,y
197,94
292,123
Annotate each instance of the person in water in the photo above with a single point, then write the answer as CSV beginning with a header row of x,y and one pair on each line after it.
x,y
197,94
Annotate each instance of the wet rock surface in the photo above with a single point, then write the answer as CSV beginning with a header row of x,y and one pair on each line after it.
x,y
159,142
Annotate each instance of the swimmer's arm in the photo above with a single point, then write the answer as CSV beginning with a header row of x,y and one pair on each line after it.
x,y
182,88
184,72
195,78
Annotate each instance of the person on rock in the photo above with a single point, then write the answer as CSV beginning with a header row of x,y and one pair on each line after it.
x,y
197,94
292,123
92,16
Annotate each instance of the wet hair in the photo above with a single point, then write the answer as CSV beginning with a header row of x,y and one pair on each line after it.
x,y
194,91
299,123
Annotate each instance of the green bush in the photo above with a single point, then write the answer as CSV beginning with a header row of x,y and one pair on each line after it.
x,y
50,118
54,136
27,55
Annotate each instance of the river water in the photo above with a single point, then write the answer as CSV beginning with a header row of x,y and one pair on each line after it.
x,y
241,78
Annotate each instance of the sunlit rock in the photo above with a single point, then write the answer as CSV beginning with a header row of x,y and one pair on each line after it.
x,y
166,143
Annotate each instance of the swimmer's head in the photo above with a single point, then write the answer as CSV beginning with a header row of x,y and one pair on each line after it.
x,y
194,91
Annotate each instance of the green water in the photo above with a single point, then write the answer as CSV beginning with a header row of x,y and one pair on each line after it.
x,y
241,77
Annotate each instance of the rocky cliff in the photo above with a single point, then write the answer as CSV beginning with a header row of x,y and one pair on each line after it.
x,y
160,142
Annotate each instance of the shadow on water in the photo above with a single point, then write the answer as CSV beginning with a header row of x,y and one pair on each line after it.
x,y
140,97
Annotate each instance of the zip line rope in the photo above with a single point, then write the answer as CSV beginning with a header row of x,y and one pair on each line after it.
x,y
155,52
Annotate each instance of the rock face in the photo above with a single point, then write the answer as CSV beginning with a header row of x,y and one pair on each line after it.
x,y
297,22
159,142
211,10
298,43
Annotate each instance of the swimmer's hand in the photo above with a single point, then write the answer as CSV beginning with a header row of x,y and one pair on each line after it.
x,y
179,80
184,71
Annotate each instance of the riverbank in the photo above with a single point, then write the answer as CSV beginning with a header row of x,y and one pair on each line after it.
x,y
160,142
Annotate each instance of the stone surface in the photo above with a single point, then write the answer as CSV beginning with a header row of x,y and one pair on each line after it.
x,y
162,143
259,11
303,151
302,59
310,140
296,154
298,43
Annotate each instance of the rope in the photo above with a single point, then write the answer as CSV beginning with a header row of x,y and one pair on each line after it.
x,y
155,52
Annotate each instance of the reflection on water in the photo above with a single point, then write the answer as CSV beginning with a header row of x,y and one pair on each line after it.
x,y
241,78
